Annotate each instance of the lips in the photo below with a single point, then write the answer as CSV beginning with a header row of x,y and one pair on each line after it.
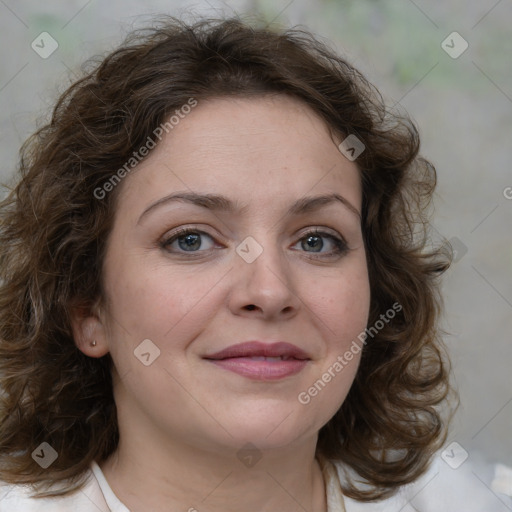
x,y
257,349
261,361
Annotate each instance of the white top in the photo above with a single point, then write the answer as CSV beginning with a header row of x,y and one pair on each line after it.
x,y
469,488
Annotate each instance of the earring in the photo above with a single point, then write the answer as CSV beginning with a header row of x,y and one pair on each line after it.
x,y
93,343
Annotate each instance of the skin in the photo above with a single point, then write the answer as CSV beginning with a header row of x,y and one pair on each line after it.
x,y
182,419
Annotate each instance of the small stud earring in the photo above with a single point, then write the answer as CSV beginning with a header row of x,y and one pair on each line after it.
x,y
93,343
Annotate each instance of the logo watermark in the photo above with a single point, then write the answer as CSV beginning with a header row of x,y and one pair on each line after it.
x,y
454,455
454,45
45,455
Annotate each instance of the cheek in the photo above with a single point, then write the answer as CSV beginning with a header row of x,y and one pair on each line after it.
x,y
342,304
158,302
341,309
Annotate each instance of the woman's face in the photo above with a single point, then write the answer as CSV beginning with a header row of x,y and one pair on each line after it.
x,y
262,260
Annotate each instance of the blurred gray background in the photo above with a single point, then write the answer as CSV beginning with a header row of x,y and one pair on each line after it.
x,y
461,100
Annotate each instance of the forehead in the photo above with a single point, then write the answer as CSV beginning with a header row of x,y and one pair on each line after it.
x,y
256,149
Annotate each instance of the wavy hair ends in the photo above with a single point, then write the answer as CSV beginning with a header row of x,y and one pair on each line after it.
x,y
54,229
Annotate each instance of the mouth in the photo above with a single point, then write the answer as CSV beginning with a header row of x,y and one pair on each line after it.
x,y
261,361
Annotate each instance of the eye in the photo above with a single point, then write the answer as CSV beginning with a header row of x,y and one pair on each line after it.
x,y
316,241
188,240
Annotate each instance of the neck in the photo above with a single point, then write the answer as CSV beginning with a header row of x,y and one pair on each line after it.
x,y
185,478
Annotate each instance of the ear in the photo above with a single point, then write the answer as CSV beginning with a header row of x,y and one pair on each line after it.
x,y
89,331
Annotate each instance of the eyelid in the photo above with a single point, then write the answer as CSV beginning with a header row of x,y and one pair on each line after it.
x,y
323,230
186,229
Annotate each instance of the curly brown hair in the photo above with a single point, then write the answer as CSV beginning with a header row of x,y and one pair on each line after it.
x,y
54,231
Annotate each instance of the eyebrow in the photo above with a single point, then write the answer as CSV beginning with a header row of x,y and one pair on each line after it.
x,y
221,203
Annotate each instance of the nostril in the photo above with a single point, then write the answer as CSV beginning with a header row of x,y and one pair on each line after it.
x,y
250,307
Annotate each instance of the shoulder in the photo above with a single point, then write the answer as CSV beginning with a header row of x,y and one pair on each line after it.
x,y
19,498
472,487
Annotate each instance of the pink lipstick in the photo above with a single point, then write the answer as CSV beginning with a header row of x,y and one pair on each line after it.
x,y
261,361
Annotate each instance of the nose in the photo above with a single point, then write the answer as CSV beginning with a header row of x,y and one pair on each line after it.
x,y
265,287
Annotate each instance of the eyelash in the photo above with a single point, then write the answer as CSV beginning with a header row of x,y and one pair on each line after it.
x,y
340,245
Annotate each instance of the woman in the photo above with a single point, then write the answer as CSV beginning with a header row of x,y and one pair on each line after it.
x,y
215,295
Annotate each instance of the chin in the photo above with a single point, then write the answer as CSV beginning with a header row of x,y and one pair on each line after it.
x,y
270,426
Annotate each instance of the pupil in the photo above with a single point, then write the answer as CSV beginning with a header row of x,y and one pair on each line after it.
x,y
191,241
314,242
